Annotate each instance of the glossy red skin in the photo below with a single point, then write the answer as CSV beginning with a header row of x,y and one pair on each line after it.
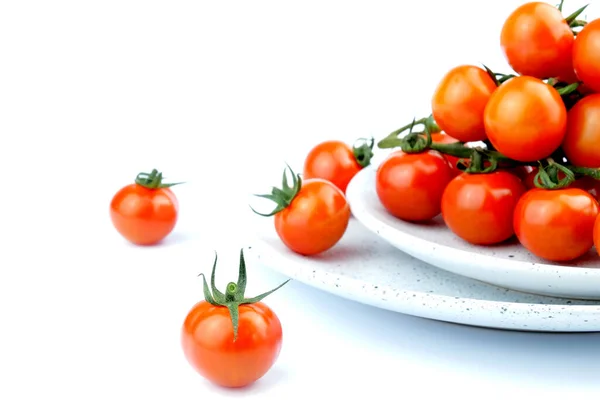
x,y
526,119
479,208
537,41
586,55
315,220
582,140
333,161
410,186
441,137
144,216
597,235
208,345
459,100
556,225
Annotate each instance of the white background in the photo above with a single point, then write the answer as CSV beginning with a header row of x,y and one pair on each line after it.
x,y
220,94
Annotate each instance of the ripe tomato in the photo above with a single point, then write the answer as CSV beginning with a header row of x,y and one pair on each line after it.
x,y
311,216
410,185
479,208
231,340
526,119
556,225
441,137
586,55
336,162
537,41
459,100
582,141
590,185
146,211
597,235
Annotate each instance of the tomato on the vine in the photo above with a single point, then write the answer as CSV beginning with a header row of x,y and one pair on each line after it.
x,y
311,215
335,161
537,41
442,137
557,224
582,140
479,207
586,55
146,211
526,119
410,185
459,100
229,339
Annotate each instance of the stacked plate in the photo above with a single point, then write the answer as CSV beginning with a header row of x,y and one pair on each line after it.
x,y
425,270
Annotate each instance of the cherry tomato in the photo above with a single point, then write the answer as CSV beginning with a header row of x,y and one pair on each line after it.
x,y
459,100
441,137
586,55
336,162
410,185
526,119
479,208
146,211
311,216
556,225
582,141
537,41
231,352
597,235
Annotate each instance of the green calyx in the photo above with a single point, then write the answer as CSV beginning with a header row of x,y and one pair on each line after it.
x,y
363,151
411,141
153,180
234,295
548,176
498,78
282,196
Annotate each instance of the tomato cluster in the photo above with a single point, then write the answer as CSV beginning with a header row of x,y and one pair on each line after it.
x,y
526,145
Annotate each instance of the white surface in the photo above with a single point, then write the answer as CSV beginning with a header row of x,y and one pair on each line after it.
x,y
365,268
508,265
93,92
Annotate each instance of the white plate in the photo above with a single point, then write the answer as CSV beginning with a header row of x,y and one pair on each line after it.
x,y
365,268
507,265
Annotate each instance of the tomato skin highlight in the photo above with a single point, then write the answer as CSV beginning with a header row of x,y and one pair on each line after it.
x,y
556,225
582,140
526,119
333,161
315,220
586,55
208,345
479,208
410,185
537,41
459,100
144,216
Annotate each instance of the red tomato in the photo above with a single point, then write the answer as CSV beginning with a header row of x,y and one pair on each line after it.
x,y
459,100
526,119
537,41
582,141
586,55
479,208
590,185
410,185
334,161
597,235
441,137
231,352
145,212
556,225
311,216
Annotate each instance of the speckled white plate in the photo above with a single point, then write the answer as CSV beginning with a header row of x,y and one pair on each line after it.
x,y
507,265
365,268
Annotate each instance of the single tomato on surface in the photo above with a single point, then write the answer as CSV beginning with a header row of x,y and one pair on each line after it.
x,y
557,224
526,119
586,55
146,211
459,100
311,216
229,339
479,208
582,140
410,185
337,162
537,41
